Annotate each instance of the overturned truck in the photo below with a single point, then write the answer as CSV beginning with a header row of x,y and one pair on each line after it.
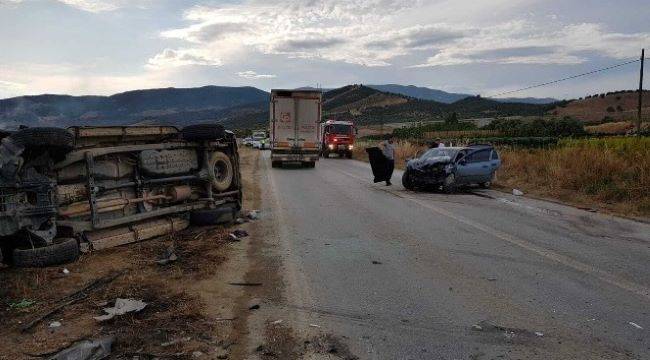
x,y
63,191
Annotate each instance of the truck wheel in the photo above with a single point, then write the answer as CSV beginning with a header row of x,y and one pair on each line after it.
x,y
309,164
348,154
203,132
276,164
220,170
223,215
67,250
49,137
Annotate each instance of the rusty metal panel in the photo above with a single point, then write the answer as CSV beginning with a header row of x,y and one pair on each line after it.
x,y
169,162
115,237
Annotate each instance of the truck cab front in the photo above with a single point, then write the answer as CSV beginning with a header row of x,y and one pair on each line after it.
x,y
338,137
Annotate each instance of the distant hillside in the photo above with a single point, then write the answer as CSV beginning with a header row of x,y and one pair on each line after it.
x,y
422,93
366,105
425,93
606,107
171,105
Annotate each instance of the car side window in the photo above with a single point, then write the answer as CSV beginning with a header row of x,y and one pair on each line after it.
x,y
495,155
479,156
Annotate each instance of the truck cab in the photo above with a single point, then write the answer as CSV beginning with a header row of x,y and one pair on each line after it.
x,y
338,137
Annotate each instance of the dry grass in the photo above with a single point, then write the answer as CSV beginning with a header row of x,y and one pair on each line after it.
x,y
612,174
614,128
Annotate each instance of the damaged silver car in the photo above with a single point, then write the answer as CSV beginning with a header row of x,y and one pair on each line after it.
x,y
63,191
451,167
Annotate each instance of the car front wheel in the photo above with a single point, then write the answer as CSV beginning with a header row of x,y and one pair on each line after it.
x,y
407,180
449,185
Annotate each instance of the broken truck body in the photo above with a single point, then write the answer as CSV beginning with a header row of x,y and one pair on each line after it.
x,y
96,187
295,117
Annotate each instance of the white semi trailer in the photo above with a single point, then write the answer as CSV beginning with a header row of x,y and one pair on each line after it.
x,y
295,135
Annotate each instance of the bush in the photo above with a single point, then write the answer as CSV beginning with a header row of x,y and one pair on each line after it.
x,y
539,127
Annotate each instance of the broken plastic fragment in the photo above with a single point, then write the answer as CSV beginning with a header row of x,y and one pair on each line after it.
x,y
86,350
636,325
517,192
122,306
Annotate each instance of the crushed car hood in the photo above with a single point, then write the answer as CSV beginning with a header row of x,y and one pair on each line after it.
x,y
424,163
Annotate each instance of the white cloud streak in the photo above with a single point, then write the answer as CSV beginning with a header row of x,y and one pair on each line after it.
x,y
250,74
367,33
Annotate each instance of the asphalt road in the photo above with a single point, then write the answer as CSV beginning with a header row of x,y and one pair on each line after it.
x,y
408,275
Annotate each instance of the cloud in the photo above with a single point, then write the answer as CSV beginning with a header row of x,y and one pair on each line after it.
x,y
249,74
526,42
182,57
375,32
97,6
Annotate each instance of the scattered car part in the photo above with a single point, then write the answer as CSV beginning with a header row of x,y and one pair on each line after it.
x,y
87,350
65,251
121,307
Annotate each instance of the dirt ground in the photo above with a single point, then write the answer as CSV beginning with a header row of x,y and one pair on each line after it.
x,y
193,309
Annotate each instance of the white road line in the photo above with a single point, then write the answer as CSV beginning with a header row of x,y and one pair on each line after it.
x,y
602,275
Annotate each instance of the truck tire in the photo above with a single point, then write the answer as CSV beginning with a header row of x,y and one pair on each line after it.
x,y
276,164
220,170
309,164
203,132
49,137
222,215
62,252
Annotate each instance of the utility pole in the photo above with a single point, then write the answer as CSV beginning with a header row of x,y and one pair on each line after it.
x,y
638,120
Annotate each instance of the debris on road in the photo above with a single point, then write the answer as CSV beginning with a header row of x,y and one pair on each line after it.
x,y
240,221
65,271
238,235
314,325
168,257
55,324
86,350
636,325
175,341
253,214
477,327
245,283
122,306
517,192
276,322
376,262
539,333
254,304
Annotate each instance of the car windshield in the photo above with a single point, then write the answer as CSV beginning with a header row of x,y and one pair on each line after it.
x,y
438,152
339,129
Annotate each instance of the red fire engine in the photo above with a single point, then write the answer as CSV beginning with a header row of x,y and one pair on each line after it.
x,y
337,137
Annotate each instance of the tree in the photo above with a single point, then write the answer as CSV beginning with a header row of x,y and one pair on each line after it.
x,y
452,119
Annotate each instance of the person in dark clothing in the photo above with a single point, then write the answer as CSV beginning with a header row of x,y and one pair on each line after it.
x,y
388,149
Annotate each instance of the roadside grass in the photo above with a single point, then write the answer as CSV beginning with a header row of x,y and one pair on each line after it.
x,y
611,174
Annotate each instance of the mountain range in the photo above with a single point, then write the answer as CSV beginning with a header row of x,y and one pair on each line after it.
x,y
247,107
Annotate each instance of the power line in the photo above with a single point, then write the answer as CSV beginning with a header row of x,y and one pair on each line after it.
x,y
566,78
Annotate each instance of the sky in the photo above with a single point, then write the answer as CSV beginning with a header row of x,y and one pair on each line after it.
x,y
101,47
